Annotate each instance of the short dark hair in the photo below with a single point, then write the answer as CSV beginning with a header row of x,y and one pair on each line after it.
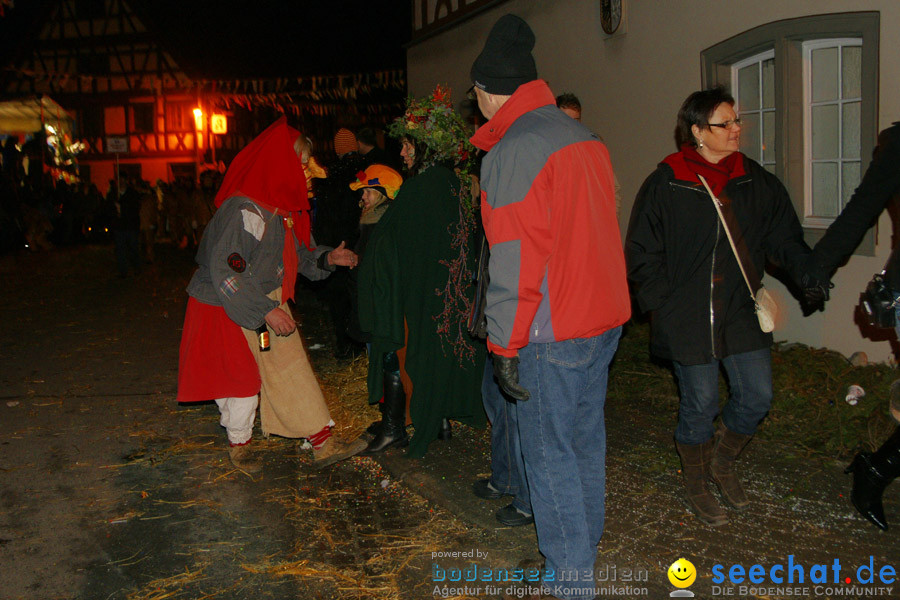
x,y
366,135
696,110
568,100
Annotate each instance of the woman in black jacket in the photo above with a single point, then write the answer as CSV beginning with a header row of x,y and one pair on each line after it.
x,y
872,472
684,273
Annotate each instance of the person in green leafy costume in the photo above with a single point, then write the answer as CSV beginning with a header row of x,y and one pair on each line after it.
x,y
417,271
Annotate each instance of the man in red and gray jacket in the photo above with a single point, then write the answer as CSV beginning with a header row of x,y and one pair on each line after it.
x,y
557,297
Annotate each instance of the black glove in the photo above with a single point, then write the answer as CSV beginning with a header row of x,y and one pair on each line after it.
x,y
506,369
814,283
815,292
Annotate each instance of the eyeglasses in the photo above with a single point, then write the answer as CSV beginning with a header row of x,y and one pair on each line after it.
x,y
470,94
727,124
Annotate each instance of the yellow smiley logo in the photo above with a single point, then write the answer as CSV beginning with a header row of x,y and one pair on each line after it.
x,y
682,573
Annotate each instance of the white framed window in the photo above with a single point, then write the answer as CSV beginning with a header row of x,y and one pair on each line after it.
x,y
825,105
753,86
832,99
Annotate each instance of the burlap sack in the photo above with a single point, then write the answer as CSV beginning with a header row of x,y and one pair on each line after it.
x,y
291,403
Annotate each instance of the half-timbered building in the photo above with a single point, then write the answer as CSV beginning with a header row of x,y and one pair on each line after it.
x,y
135,105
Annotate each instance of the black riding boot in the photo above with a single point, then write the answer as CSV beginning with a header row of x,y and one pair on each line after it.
x,y
872,472
393,417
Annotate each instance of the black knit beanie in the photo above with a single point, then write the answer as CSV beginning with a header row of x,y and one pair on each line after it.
x,y
506,61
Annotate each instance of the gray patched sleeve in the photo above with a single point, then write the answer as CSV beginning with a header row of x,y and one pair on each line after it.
x,y
229,257
313,264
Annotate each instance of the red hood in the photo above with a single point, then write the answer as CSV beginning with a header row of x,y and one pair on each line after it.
x,y
268,171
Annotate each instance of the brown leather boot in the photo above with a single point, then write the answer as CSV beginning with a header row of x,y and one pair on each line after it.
x,y
695,459
244,458
334,450
728,446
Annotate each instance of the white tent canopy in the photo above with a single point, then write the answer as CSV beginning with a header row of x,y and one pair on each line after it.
x,y
23,115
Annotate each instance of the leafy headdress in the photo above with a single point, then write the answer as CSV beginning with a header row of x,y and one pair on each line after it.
x,y
440,131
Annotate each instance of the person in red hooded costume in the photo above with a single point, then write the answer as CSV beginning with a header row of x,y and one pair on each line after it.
x,y
248,260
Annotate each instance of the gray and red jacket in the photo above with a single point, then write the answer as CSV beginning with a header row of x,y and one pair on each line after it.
x,y
557,270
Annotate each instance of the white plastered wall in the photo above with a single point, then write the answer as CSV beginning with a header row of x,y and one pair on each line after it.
x,y
632,84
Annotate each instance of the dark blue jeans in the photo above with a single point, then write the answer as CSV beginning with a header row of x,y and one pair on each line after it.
x,y
563,436
507,466
749,395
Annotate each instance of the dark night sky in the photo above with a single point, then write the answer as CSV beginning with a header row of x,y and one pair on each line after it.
x,y
257,39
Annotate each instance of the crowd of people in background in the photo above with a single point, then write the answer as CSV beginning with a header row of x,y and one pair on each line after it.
x,y
39,213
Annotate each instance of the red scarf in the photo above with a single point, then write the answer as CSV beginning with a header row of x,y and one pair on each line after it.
x,y
269,172
688,163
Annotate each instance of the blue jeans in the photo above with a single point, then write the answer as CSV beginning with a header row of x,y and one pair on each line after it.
x,y
563,436
507,466
749,395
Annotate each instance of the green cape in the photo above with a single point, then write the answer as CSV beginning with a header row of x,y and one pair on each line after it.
x,y
402,273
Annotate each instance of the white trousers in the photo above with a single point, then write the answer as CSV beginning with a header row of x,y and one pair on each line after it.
x,y
238,415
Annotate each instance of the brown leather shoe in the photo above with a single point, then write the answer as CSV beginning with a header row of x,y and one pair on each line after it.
x,y
695,459
334,450
244,458
728,447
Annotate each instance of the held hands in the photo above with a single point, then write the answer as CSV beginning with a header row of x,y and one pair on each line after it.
x,y
815,284
280,322
506,369
343,257
816,293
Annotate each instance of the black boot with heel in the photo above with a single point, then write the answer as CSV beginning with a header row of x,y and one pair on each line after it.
x,y
872,472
